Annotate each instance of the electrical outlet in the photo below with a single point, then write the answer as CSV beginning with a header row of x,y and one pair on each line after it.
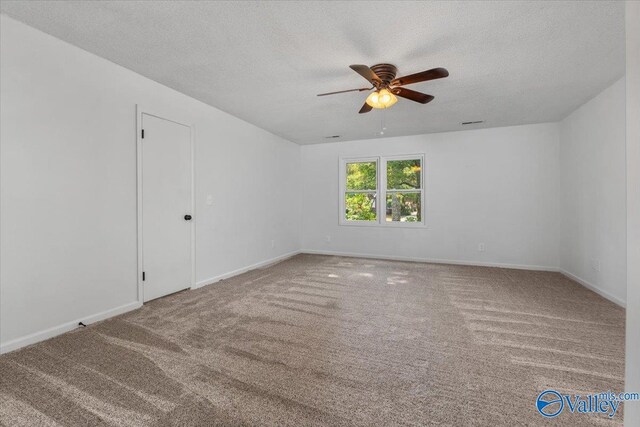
x,y
327,238
273,243
480,247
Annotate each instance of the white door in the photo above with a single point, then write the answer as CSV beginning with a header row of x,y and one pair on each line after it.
x,y
166,206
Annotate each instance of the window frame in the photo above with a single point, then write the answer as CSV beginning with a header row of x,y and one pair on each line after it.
x,y
343,190
384,191
381,191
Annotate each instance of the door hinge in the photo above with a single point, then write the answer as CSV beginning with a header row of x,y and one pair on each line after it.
x,y
144,276
142,133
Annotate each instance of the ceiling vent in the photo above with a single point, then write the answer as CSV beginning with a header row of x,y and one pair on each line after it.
x,y
472,123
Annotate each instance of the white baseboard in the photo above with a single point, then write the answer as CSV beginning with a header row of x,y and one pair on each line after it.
x,y
433,260
260,264
69,326
65,327
594,288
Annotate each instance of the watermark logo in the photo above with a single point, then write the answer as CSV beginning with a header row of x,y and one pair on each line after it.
x,y
550,403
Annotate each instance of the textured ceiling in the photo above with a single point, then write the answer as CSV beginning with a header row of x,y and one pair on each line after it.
x,y
510,62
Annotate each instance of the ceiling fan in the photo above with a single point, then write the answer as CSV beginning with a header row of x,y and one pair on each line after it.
x,y
387,86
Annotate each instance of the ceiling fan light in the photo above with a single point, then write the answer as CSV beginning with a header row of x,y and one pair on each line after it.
x,y
387,98
392,101
372,99
382,99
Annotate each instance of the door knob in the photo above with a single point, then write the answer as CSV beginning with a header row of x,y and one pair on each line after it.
x,y
187,217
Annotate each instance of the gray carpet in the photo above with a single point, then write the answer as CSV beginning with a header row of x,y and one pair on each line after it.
x,y
319,340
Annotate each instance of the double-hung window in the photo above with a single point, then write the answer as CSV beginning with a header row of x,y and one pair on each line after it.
x,y
384,191
360,190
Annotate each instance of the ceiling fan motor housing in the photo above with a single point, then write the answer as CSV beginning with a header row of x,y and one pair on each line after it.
x,y
386,72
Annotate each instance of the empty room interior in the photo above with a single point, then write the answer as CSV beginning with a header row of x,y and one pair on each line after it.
x,y
310,213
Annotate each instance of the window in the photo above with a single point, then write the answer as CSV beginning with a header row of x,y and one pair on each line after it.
x,y
385,191
403,190
361,190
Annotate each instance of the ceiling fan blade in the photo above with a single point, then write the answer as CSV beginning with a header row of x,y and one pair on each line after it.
x,y
344,91
367,73
365,108
435,73
420,97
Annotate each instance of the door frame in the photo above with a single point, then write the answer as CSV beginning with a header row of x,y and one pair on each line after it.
x,y
177,118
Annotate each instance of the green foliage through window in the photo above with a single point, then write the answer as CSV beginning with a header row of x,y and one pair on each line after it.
x,y
360,206
403,174
403,206
360,199
362,176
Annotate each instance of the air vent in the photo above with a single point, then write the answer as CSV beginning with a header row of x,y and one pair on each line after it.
x,y
332,137
472,123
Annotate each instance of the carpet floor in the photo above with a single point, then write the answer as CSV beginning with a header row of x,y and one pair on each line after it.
x,y
321,340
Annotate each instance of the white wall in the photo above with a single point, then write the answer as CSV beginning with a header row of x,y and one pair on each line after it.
x,y
593,208
68,186
68,190
632,409
494,186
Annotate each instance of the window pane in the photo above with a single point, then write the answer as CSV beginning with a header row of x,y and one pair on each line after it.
x,y
403,207
361,176
403,174
360,206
